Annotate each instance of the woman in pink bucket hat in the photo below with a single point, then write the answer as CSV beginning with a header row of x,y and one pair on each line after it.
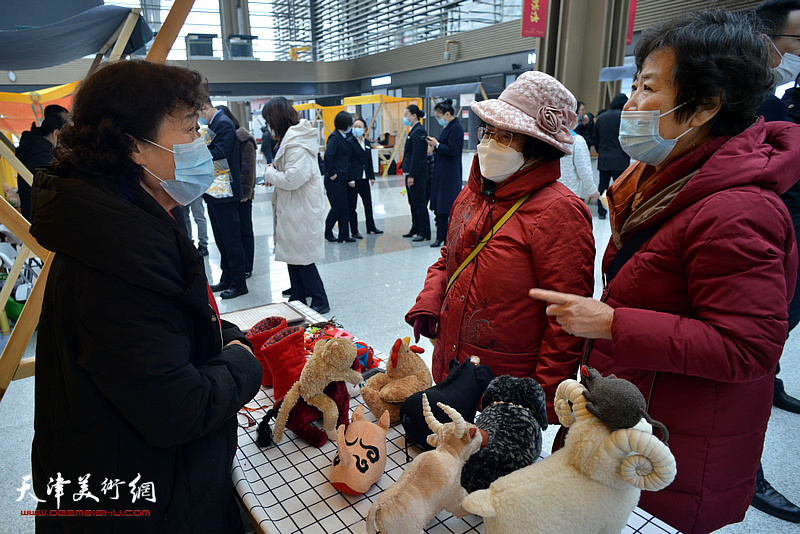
x,y
536,233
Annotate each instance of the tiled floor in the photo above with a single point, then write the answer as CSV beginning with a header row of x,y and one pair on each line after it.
x,y
371,284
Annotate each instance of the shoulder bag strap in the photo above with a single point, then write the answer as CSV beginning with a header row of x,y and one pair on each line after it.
x,y
486,238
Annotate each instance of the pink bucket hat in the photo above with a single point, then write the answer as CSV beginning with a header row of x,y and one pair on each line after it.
x,y
536,104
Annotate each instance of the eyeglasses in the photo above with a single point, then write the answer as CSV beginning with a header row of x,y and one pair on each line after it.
x,y
502,137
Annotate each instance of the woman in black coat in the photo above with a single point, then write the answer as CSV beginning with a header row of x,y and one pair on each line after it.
x,y
138,380
337,166
36,150
415,167
447,173
612,160
362,177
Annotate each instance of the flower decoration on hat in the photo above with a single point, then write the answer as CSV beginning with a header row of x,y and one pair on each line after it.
x,y
550,119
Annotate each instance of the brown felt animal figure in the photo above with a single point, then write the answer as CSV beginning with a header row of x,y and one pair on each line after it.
x,y
406,374
361,454
433,481
331,362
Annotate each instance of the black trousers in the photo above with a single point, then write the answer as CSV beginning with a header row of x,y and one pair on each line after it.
x,y
337,196
605,180
441,226
420,220
306,282
227,233
246,231
361,189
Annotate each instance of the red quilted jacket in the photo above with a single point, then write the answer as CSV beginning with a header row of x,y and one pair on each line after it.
x,y
547,243
701,318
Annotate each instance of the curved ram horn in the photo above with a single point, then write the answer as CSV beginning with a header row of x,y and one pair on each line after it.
x,y
646,464
461,425
433,424
570,402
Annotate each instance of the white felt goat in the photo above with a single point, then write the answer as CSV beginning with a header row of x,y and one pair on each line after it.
x,y
590,486
433,481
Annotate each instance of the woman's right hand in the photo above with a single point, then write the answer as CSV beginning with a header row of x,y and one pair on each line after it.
x,y
237,342
410,181
333,176
426,325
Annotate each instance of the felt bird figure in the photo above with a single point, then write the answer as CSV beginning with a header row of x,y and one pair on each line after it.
x,y
432,482
331,362
406,374
589,486
461,389
360,454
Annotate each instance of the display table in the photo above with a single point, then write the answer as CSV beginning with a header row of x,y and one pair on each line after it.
x,y
286,490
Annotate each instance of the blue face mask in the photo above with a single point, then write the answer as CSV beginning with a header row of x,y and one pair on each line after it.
x,y
202,121
442,122
406,121
358,132
347,131
194,171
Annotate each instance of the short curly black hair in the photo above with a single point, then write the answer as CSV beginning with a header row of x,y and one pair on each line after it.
x,y
718,54
122,101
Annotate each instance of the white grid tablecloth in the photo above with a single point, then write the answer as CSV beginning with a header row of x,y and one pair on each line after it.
x,y
286,488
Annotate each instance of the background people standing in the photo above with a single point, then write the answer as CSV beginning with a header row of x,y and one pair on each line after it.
x,y
362,178
447,173
612,160
415,168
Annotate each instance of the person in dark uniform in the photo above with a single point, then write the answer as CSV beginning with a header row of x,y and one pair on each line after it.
x,y
612,160
780,19
224,212
36,150
415,167
447,174
337,167
362,177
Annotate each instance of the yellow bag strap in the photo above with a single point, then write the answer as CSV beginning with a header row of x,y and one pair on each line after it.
x,y
486,238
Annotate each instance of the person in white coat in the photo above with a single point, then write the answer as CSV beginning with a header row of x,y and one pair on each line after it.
x,y
299,201
576,170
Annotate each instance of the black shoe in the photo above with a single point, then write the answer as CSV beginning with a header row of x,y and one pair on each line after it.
x,y
437,243
222,286
602,216
321,309
247,275
202,250
375,231
347,240
410,234
357,235
421,238
330,238
286,292
770,501
234,292
784,401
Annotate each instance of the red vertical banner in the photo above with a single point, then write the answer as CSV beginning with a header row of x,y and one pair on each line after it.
x,y
631,18
534,18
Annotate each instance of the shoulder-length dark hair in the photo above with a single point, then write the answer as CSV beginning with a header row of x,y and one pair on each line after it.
x,y
120,102
718,54
280,115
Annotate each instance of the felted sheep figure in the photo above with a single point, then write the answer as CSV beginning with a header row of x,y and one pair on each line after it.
x,y
432,482
406,373
461,390
513,414
589,486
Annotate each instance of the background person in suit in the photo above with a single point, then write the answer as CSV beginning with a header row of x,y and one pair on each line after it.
x,y
337,166
415,167
446,168
362,176
224,212
612,160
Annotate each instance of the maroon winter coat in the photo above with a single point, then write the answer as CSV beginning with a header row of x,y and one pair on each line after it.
x,y
701,318
547,243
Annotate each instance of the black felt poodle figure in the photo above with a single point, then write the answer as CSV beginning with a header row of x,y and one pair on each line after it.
x,y
513,413
461,389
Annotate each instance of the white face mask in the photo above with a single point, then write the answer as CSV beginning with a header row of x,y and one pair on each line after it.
x,y
498,162
639,136
789,68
